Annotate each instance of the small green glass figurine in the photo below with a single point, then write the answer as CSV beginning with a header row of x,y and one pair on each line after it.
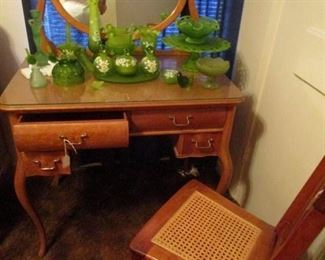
x,y
37,79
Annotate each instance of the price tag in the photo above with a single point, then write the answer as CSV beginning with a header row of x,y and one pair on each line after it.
x,y
66,158
66,161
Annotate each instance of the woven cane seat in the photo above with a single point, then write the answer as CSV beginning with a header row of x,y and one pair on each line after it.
x,y
200,224
191,230
197,223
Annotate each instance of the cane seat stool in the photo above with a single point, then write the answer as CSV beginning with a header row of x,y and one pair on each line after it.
x,y
197,223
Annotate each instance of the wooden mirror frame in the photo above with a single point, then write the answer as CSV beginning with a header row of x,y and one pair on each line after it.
x,y
47,45
84,27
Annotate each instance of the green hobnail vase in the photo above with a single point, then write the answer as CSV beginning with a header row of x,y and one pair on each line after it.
x,y
68,73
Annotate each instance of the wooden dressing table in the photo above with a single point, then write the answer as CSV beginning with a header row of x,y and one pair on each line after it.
x,y
199,120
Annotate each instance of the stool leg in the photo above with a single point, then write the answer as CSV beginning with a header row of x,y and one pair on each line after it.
x,y
20,189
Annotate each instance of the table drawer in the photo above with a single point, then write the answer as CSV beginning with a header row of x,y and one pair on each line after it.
x,y
177,120
45,164
197,145
46,132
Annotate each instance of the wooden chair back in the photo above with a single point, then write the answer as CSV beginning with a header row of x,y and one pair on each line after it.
x,y
304,219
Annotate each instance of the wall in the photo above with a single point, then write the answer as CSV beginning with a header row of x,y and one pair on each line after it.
x,y
279,135
139,12
110,17
13,39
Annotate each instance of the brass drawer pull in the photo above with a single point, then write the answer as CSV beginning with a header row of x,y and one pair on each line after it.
x,y
188,120
47,168
198,146
82,139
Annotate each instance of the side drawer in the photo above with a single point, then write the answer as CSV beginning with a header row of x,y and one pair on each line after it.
x,y
197,145
84,130
177,120
44,164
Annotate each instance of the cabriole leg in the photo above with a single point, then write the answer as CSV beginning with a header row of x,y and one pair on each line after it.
x,y
226,172
20,189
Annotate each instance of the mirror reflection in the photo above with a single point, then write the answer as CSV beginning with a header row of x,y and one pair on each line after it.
x,y
122,12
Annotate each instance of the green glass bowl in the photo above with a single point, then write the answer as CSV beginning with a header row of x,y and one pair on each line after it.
x,y
212,66
197,29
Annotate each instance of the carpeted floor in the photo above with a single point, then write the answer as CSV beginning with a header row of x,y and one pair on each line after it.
x,y
94,213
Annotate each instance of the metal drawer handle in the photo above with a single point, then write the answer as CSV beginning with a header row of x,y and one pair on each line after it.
x,y
82,139
188,119
47,168
198,146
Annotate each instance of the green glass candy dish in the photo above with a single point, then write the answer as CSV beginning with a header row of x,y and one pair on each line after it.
x,y
196,30
211,44
212,67
196,38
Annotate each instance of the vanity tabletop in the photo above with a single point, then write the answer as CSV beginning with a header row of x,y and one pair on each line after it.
x,y
19,96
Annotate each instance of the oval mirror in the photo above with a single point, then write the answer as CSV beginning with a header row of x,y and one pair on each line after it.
x,y
122,13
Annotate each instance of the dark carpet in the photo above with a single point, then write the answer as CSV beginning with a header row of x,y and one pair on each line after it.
x,y
95,212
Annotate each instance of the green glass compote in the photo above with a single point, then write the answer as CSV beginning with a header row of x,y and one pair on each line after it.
x,y
195,38
196,30
212,68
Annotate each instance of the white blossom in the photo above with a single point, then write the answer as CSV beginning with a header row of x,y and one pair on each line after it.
x,y
150,65
125,62
103,65
170,74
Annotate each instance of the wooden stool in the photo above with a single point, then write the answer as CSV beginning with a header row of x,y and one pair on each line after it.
x,y
198,223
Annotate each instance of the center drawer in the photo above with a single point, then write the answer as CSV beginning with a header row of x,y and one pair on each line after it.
x,y
144,122
45,132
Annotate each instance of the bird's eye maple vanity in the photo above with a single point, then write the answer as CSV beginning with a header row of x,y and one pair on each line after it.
x,y
198,120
